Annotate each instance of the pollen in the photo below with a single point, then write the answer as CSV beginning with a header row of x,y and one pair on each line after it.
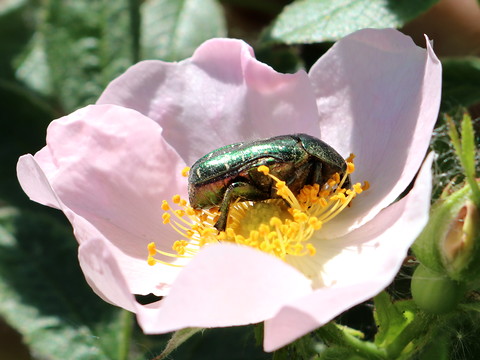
x,y
350,167
283,227
185,171
263,169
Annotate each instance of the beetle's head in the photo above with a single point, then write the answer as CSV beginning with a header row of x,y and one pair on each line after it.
x,y
330,159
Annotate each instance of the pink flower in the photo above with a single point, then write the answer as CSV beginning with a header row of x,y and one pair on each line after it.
x,y
109,166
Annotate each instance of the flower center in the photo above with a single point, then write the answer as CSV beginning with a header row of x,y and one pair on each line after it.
x,y
281,227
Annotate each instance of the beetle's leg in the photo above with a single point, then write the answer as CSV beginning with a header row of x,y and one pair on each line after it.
x,y
347,184
317,178
234,191
316,173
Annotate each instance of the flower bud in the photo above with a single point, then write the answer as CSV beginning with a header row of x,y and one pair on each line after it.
x,y
450,243
435,292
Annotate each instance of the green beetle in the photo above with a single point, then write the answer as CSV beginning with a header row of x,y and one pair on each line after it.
x,y
230,172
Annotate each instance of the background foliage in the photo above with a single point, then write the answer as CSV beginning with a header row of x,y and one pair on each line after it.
x,y
58,55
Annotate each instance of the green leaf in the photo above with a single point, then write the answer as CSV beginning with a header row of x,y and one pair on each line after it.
x,y
391,318
10,5
461,77
172,29
87,44
44,295
468,157
33,68
14,34
310,21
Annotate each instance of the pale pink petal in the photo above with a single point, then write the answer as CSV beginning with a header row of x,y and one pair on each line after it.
x,y
113,168
313,311
367,261
226,285
378,96
377,249
34,182
139,277
109,169
220,96
104,275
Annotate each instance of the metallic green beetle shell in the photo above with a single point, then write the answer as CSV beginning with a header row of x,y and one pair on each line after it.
x,y
230,172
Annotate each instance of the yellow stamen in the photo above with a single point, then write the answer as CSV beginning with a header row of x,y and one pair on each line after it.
x,y
350,167
152,250
166,218
283,228
311,249
165,206
185,171
366,185
264,169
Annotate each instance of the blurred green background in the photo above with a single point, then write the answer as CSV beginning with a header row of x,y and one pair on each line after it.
x,y
58,55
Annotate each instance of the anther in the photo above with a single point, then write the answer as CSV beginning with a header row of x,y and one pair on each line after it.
x,y
165,206
350,167
263,169
366,185
152,250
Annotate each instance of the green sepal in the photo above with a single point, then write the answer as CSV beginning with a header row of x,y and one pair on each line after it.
x,y
465,149
450,242
467,157
391,318
177,339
